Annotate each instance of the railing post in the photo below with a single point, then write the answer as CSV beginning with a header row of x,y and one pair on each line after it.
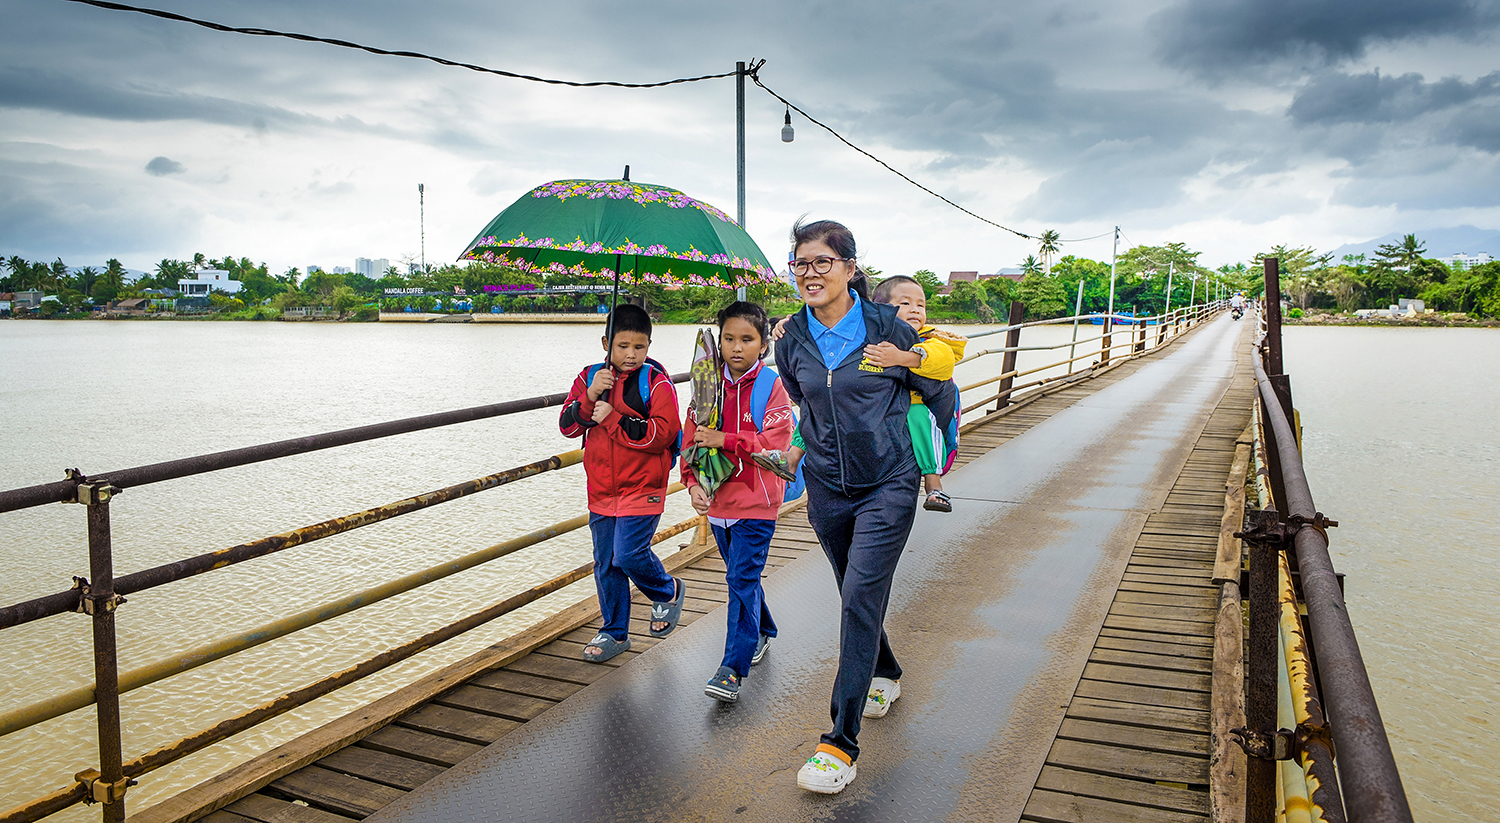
x,y
1140,345
1273,316
1262,540
108,784
1008,360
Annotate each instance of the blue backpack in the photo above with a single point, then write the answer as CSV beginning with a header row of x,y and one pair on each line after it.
x,y
643,374
760,395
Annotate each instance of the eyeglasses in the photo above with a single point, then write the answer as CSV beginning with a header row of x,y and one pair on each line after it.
x,y
820,265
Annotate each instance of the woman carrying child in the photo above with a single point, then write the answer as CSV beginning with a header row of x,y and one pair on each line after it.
x,y
743,510
861,475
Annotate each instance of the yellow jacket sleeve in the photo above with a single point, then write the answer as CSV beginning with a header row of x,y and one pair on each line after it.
x,y
943,351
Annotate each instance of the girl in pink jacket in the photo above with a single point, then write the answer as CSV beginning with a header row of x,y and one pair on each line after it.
x,y
743,510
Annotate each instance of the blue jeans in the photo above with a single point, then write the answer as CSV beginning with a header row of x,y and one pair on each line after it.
x,y
743,547
863,536
622,555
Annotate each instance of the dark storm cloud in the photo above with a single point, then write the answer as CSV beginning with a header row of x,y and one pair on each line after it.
x,y
1336,97
1218,38
50,90
163,166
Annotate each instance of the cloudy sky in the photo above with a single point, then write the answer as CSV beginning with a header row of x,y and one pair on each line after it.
x,y
1230,125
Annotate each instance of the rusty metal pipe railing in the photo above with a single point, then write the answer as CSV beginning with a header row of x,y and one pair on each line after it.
x,y
67,601
63,491
75,699
224,729
1367,768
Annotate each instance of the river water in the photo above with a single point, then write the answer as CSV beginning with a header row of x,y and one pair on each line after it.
x,y
1402,448
108,395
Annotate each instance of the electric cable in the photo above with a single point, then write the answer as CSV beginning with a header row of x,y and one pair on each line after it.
x,y
259,32
752,71
825,127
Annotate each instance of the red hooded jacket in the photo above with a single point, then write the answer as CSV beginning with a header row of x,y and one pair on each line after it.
x,y
751,492
627,457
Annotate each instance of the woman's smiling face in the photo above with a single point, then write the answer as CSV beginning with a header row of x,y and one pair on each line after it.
x,y
819,290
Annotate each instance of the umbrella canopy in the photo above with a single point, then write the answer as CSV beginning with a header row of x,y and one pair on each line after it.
x,y
630,232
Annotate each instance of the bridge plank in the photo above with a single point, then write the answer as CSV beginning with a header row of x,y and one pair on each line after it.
x,y
1186,681
470,727
1143,695
1135,737
1133,763
381,767
266,809
1133,714
1121,790
1151,660
1153,647
1054,807
430,748
494,702
336,792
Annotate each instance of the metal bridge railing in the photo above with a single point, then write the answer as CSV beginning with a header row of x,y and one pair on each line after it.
x,y
101,593
1291,683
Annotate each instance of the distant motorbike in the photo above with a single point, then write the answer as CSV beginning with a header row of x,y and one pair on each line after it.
x,y
1238,312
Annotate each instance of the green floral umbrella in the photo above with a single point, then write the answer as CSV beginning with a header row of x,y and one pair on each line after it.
x,y
629,232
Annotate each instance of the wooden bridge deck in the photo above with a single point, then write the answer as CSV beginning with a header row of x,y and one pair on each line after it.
x,y
1133,745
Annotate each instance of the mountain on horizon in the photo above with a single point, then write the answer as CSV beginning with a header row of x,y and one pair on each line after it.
x,y
1440,242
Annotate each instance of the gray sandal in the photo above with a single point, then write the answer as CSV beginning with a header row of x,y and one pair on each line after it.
x,y
938,502
608,647
669,612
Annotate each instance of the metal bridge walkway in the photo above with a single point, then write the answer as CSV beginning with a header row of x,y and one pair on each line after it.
x,y
1015,700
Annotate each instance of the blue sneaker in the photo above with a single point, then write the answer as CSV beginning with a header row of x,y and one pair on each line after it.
x,y
761,647
724,686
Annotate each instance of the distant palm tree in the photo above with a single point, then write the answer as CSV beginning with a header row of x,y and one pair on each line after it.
x,y
1030,265
1050,245
85,278
199,261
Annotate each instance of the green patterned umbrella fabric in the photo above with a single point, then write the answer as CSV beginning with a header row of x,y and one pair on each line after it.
x,y
640,232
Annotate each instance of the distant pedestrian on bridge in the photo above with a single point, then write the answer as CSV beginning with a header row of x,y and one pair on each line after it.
x,y
862,478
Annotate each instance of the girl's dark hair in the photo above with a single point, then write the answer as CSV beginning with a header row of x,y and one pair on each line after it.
x,y
838,237
750,313
884,288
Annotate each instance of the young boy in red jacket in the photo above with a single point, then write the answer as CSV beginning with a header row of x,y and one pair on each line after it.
x,y
743,510
626,411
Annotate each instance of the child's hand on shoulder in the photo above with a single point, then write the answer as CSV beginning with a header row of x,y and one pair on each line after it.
x,y
885,354
709,438
604,380
780,328
601,411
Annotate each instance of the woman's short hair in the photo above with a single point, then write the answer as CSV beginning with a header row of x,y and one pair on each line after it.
x,y
837,237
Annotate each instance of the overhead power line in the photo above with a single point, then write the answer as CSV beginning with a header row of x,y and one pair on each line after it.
x,y
752,72
259,32
824,126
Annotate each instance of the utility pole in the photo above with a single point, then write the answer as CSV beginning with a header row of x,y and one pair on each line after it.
x,y
1168,309
1109,320
739,145
422,221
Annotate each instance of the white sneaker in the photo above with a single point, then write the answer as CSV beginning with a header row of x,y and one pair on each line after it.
x,y
826,772
883,692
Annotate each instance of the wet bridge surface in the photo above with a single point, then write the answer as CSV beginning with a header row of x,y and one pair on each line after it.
x,y
1055,630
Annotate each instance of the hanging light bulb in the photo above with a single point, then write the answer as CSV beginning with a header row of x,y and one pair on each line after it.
x,y
786,131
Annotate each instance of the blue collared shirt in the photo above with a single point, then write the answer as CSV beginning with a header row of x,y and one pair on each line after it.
x,y
846,336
